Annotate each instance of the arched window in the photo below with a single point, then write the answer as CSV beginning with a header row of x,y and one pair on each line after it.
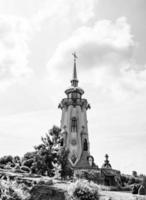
x,y
85,147
74,124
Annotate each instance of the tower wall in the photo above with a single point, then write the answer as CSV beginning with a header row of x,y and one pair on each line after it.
x,y
74,123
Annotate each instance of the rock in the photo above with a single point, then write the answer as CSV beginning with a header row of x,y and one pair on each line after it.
x,y
46,192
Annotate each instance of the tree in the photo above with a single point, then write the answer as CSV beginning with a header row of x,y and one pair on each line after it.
x,y
66,170
28,159
49,155
50,152
134,173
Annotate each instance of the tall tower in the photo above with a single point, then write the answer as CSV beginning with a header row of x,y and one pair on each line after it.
x,y
74,123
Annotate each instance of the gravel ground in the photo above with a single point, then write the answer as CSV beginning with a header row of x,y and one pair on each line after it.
x,y
108,195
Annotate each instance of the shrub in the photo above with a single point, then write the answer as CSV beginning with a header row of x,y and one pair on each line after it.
x,y
124,179
28,162
66,170
83,190
131,181
6,159
11,190
135,189
144,181
92,175
141,190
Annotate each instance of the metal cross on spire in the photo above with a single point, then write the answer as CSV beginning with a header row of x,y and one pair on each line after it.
x,y
75,56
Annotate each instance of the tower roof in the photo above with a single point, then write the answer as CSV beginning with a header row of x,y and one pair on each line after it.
x,y
74,81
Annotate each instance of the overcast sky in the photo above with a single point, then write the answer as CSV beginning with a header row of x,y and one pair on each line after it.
x,y
37,39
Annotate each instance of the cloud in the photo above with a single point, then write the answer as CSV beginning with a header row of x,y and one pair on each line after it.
x,y
16,32
106,53
104,43
14,51
65,11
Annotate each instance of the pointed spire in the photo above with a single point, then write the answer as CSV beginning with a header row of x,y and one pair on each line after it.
x,y
74,81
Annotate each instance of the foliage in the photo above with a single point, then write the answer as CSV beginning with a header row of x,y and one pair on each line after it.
x,y
25,169
11,190
134,173
91,175
66,170
6,159
83,190
48,155
28,163
141,190
144,181
45,159
130,180
28,155
43,181
28,159
124,179
9,161
135,189
47,152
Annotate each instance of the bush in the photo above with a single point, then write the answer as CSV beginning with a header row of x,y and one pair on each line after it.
x,y
66,170
124,179
135,189
6,159
28,162
11,190
90,175
144,181
141,190
83,190
131,181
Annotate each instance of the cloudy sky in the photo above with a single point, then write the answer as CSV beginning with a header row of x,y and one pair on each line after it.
x,y
37,39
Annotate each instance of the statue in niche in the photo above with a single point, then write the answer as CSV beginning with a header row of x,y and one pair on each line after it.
x,y
91,162
85,145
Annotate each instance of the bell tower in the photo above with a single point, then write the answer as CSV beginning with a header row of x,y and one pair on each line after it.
x,y
74,123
